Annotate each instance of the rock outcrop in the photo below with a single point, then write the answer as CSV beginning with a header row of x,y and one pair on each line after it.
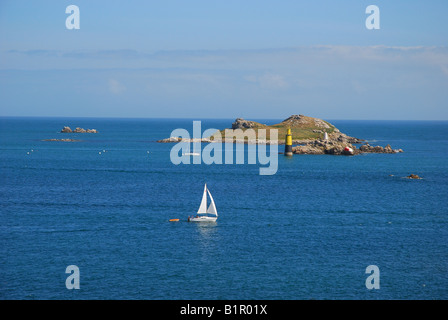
x,y
62,140
340,147
170,139
378,149
179,139
301,120
240,123
334,147
78,130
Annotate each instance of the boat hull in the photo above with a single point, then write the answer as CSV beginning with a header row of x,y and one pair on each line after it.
x,y
202,219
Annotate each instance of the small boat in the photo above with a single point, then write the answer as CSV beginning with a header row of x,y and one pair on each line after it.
x,y
191,154
174,220
205,214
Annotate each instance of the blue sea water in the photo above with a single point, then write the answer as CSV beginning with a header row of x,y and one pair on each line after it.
x,y
307,232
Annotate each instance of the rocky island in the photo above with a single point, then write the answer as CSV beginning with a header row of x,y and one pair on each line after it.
x,y
309,136
78,130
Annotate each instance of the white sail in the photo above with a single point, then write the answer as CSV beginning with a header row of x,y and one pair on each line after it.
x,y
203,206
212,208
204,213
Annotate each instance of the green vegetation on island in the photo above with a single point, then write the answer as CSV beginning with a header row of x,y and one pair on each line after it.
x,y
303,128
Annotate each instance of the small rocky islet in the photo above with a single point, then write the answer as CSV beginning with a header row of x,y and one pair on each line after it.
x,y
62,140
414,176
69,130
309,136
78,130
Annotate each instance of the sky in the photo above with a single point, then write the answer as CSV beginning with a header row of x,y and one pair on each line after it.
x,y
254,59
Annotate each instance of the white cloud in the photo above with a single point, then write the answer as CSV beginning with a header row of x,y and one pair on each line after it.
x,y
199,60
334,81
444,69
116,87
269,81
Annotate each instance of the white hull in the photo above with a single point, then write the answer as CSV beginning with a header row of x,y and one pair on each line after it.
x,y
202,219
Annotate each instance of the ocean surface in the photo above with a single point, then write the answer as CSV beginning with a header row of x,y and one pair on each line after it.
x,y
307,232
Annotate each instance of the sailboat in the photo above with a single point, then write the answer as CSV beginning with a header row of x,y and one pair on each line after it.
x,y
205,214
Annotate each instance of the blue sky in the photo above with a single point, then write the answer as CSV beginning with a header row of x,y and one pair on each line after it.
x,y
225,59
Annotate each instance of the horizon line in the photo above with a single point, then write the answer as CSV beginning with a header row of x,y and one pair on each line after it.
x,y
209,118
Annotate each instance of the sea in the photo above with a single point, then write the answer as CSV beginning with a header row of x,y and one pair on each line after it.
x,y
323,227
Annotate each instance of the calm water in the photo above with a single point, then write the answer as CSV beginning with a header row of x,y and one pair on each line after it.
x,y
308,232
